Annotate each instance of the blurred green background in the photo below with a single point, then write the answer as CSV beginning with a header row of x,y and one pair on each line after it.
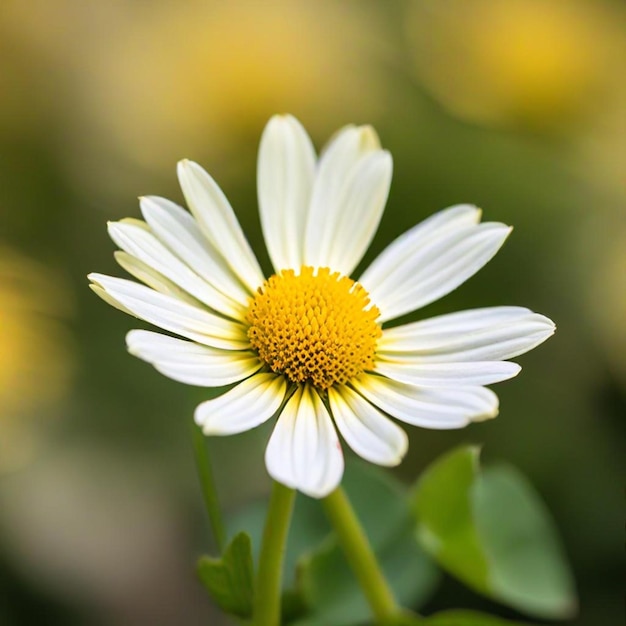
x,y
516,106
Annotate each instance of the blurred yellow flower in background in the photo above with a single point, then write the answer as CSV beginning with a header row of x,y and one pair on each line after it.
x,y
538,64
231,66
35,359
144,84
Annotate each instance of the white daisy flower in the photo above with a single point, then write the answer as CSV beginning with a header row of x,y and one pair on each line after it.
x,y
310,343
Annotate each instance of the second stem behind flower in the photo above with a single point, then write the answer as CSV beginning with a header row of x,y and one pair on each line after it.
x,y
360,555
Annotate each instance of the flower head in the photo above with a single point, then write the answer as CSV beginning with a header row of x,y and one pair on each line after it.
x,y
310,342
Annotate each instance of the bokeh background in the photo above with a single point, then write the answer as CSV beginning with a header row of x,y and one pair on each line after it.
x,y
517,106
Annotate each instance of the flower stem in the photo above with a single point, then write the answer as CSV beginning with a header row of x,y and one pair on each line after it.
x,y
360,556
267,593
209,492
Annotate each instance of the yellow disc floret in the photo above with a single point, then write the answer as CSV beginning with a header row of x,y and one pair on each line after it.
x,y
314,326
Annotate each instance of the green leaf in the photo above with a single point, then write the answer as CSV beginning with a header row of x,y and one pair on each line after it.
x,y
229,579
463,618
491,531
325,579
527,565
444,508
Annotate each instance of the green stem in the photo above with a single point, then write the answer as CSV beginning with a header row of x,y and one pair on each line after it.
x,y
209,491
267,593
360,556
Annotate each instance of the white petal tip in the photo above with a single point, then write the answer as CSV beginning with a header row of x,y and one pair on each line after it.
x,y
485,417
394,461
133,350
316,491
312,492
498,229
369,138
202,420
465,209
209,431
550,325
490,410
319,495
503,228
319,492
184,166
146,201
515,369
280,118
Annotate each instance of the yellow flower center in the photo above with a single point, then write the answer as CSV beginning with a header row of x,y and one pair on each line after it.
x,y
314,326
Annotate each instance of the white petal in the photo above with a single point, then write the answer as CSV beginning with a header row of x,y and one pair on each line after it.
x,y
174,315
245,406
101,293
413,371
471,318
403,247
217,221
149,276
340,165
304,452
476,335
366,430
178,230
361,206
399,281
285,173
189,362
440,408
137,240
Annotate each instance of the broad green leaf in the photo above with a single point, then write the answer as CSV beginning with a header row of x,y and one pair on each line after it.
x,y
527,565
490,530
464,618
229,579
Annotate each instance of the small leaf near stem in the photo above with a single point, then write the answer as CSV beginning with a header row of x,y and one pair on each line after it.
x,y
267,596
209,491
229,578
360,556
